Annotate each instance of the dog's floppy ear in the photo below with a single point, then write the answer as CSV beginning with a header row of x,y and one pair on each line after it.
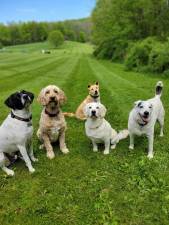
x,y
41,97
138,103
14,101
103,111
85,110
9,102
62,97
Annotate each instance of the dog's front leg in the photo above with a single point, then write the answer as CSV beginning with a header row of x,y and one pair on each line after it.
x,y
95,147
62,143
131,146
107,147
48,146
150,145
26,158
3,166
31,154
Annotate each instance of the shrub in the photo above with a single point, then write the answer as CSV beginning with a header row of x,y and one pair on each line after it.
x,y
56,38
113,48
159,58
138,54
81,37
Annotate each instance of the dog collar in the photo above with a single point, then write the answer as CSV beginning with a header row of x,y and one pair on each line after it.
x,y
51,114
94,96
20,118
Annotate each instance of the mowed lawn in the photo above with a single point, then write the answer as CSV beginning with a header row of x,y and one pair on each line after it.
x,y
83,187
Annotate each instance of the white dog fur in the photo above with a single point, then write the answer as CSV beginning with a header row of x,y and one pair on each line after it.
x,y
99,130
143,117
15,133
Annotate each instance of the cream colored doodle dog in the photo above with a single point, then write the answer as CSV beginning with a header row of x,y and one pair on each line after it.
x,y
143,117
52,125
99,130
93,96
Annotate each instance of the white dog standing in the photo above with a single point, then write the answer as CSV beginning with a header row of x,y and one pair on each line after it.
x,y
99,130
143,117
16,130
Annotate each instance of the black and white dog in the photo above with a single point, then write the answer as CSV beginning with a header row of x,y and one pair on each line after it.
x,y
143,117
16,131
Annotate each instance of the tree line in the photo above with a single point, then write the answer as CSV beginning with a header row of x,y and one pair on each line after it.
x,y
135,32
29,32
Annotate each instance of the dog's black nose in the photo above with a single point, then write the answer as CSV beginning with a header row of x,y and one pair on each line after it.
x,y
52,98
93,112
96,92
146,113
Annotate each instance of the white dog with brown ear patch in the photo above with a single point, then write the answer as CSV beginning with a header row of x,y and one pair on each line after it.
x,y
143,117
52,125
99,130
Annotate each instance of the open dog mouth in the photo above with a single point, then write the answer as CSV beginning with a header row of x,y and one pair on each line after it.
x,y
145,118
93,116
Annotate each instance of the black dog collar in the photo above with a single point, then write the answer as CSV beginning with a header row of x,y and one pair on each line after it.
x,y
94,96
20,118
51,114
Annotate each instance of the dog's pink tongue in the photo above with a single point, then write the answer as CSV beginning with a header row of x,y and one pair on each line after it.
x,y
145,119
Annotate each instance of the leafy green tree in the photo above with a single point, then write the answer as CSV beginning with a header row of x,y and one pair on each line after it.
x,y
1,45
81,37
56,38
70,35
127,21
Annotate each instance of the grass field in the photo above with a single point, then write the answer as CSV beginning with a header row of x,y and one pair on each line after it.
x,y
84,188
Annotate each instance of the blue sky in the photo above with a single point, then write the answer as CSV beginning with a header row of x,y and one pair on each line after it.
x,y
44,10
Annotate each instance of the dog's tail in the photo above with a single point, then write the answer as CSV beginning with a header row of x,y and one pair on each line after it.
x,y
121,135
159,88
69,114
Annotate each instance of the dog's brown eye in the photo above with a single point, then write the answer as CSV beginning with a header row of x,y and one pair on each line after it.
x,y
56,91
90,107
150,107
141,107
97,107
47,92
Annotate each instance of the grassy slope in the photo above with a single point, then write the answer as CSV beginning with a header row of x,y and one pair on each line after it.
x,y
84,187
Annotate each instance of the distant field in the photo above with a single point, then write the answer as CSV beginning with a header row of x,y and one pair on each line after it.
x,y
84,188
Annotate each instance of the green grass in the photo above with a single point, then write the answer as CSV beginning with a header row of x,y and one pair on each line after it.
x,y
84,188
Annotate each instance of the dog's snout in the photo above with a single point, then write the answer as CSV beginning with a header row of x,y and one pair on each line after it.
x,y
93,112
52,98
146,113
25,96
96,92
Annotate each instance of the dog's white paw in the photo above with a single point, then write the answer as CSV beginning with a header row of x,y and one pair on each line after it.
x,y
131,147
113,146
95,150
10,172
50,155
65,150
161,134
106,152
150,156
31,170
34,159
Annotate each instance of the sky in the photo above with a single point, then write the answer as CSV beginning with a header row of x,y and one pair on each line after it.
x,y
44,10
